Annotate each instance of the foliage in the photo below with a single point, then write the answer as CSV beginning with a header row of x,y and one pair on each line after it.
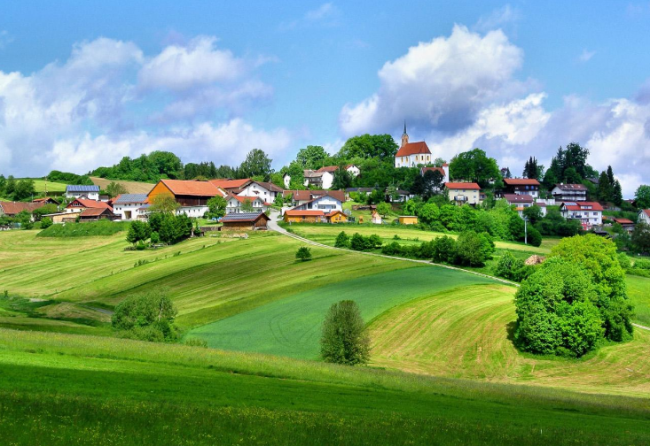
x,y
641,237
429,184
599,258
642,197
569,166
114,189
164,204
511,268
46,222
93,228
69,178
216,207
138,232
247,205
345,339
555,311
342,240
360,243
148,168
381,147
47,209
444,250
531,169
148,316
342,178
533,214
609,188
384,209
256,163
475,166
429,213
534,236
474,249
171,228
24,189
303,254
312,157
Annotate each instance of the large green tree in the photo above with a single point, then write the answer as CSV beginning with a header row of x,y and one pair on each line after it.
x,y
216,207
642,197
312,157
382,147
474,165
345,339
257,163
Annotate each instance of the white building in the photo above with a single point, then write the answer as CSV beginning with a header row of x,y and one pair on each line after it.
x,y
131,206
325,203
570,192
412,154
644,216
235,203
89,192
354,170
589,213
321,178
462,193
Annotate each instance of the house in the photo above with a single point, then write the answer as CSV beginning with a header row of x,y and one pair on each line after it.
x,y
62,217
444,171
322,178
569,192
249,221
76,191
375,218
522,186
412,154
627,224
336,217
644,216
191,195
95,214
462,193
286,180
249,188
81,204
46,200
407,220
301,216
235,203
326,202
299,197
589,213
13,208
353,170
131,206
520,201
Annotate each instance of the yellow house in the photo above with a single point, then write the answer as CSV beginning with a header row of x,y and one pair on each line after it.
x,y
408,220
293,216
336,217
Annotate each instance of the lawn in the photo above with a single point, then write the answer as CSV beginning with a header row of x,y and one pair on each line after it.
x,y
638,289
61,389
291,326
467,334
41,185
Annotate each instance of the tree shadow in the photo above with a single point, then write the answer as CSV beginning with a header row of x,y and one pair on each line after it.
x,y
510,331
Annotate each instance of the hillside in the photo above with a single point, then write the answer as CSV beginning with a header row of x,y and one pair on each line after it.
x,y
132,187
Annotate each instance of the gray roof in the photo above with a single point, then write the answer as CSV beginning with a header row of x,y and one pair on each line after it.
x,y
131,198
246,216
78,188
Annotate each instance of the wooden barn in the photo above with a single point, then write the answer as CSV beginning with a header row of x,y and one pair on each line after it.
x,y
252,221
336,217
94,214
293,216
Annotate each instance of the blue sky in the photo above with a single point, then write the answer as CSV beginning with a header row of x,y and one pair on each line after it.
x,y
84,83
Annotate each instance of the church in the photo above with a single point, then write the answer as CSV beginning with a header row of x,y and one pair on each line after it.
x,y
412,154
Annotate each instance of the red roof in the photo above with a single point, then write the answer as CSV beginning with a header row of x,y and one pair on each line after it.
x,y
328,169
566,187
192,188
470,186
623,221
230,184
89,204
583,206
333,213
432,169
520,182
242,199
309,195
646,212
413,148
293,213
16,207
95,212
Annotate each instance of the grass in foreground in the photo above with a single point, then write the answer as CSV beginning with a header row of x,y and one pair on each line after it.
x,y
62,389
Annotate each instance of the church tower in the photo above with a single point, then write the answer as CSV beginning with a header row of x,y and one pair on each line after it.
x,y
405,136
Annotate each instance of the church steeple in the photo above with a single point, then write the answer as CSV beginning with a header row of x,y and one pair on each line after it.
x,y
405,136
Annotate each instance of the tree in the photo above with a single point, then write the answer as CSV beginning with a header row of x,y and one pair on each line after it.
x,y
641,237
382,147
342,240
600,258
511,268
256,163
216,207
3,183
530,168
138,231
165,163
10,186
149,316
642,197
247,205
303,254
474,249
533,214
444,249
46,222
114,189
344,338
312,157
43,210
429,213
342,178
555,312
164,203
384,209
474,165
24,189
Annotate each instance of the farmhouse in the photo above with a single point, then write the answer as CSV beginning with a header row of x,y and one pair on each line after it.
x,y
76,191
235,204
81,204
251,221
589,213
301,216
570,192
249,188
94,214
464,193
522,186
644,216
323,177
412,154
131,206
13,208
299,197
192,195
45,200
325,202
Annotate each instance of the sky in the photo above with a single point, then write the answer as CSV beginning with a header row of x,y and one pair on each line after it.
x,y
83,84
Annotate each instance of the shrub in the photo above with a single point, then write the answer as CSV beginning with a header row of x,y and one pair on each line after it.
x,y
139,231
303,254
345,339
196,342
46,222
444,249
534,236
511,268
374,241
149,317
358,242
155,238
342,240
474,249
392,249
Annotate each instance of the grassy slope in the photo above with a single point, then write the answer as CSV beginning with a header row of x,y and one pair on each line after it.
x,y
40,185
638,289
132,187
61,390
466,335
291,326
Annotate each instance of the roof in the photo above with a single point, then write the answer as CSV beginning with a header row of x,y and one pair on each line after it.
x,y
520,182
623,221
192,188
130,198
328,169
565,187
230,184
432,169
646,212
44,200
16,207
269,186
94,212
309,195
299,213
92,204
583,206
79,188
312,173
471,186
243,217
514,198
333,213
413,148
241,198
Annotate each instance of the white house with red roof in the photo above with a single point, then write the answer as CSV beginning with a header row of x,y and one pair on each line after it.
x,y
80,204
235,203
590,213
412,154
644,216
462,193
569,192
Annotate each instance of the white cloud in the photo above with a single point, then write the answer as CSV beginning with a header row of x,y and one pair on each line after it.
x,y
497,19
586,55
325,15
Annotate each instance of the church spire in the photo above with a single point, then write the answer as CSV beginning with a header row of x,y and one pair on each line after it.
x,y
405,136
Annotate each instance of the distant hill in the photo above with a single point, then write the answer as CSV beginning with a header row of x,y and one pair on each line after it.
x,y
132,187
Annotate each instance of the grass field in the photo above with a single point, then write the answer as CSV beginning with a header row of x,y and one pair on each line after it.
x,y
291,326
466,334
60,389
132,187
41,185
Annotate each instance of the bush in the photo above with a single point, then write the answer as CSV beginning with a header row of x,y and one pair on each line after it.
x,y
474,249
46,222
149,317
345,339
444,249
534,236
511,268
342,240
392,249
196,342
303,254
358,242
155,238
95,228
